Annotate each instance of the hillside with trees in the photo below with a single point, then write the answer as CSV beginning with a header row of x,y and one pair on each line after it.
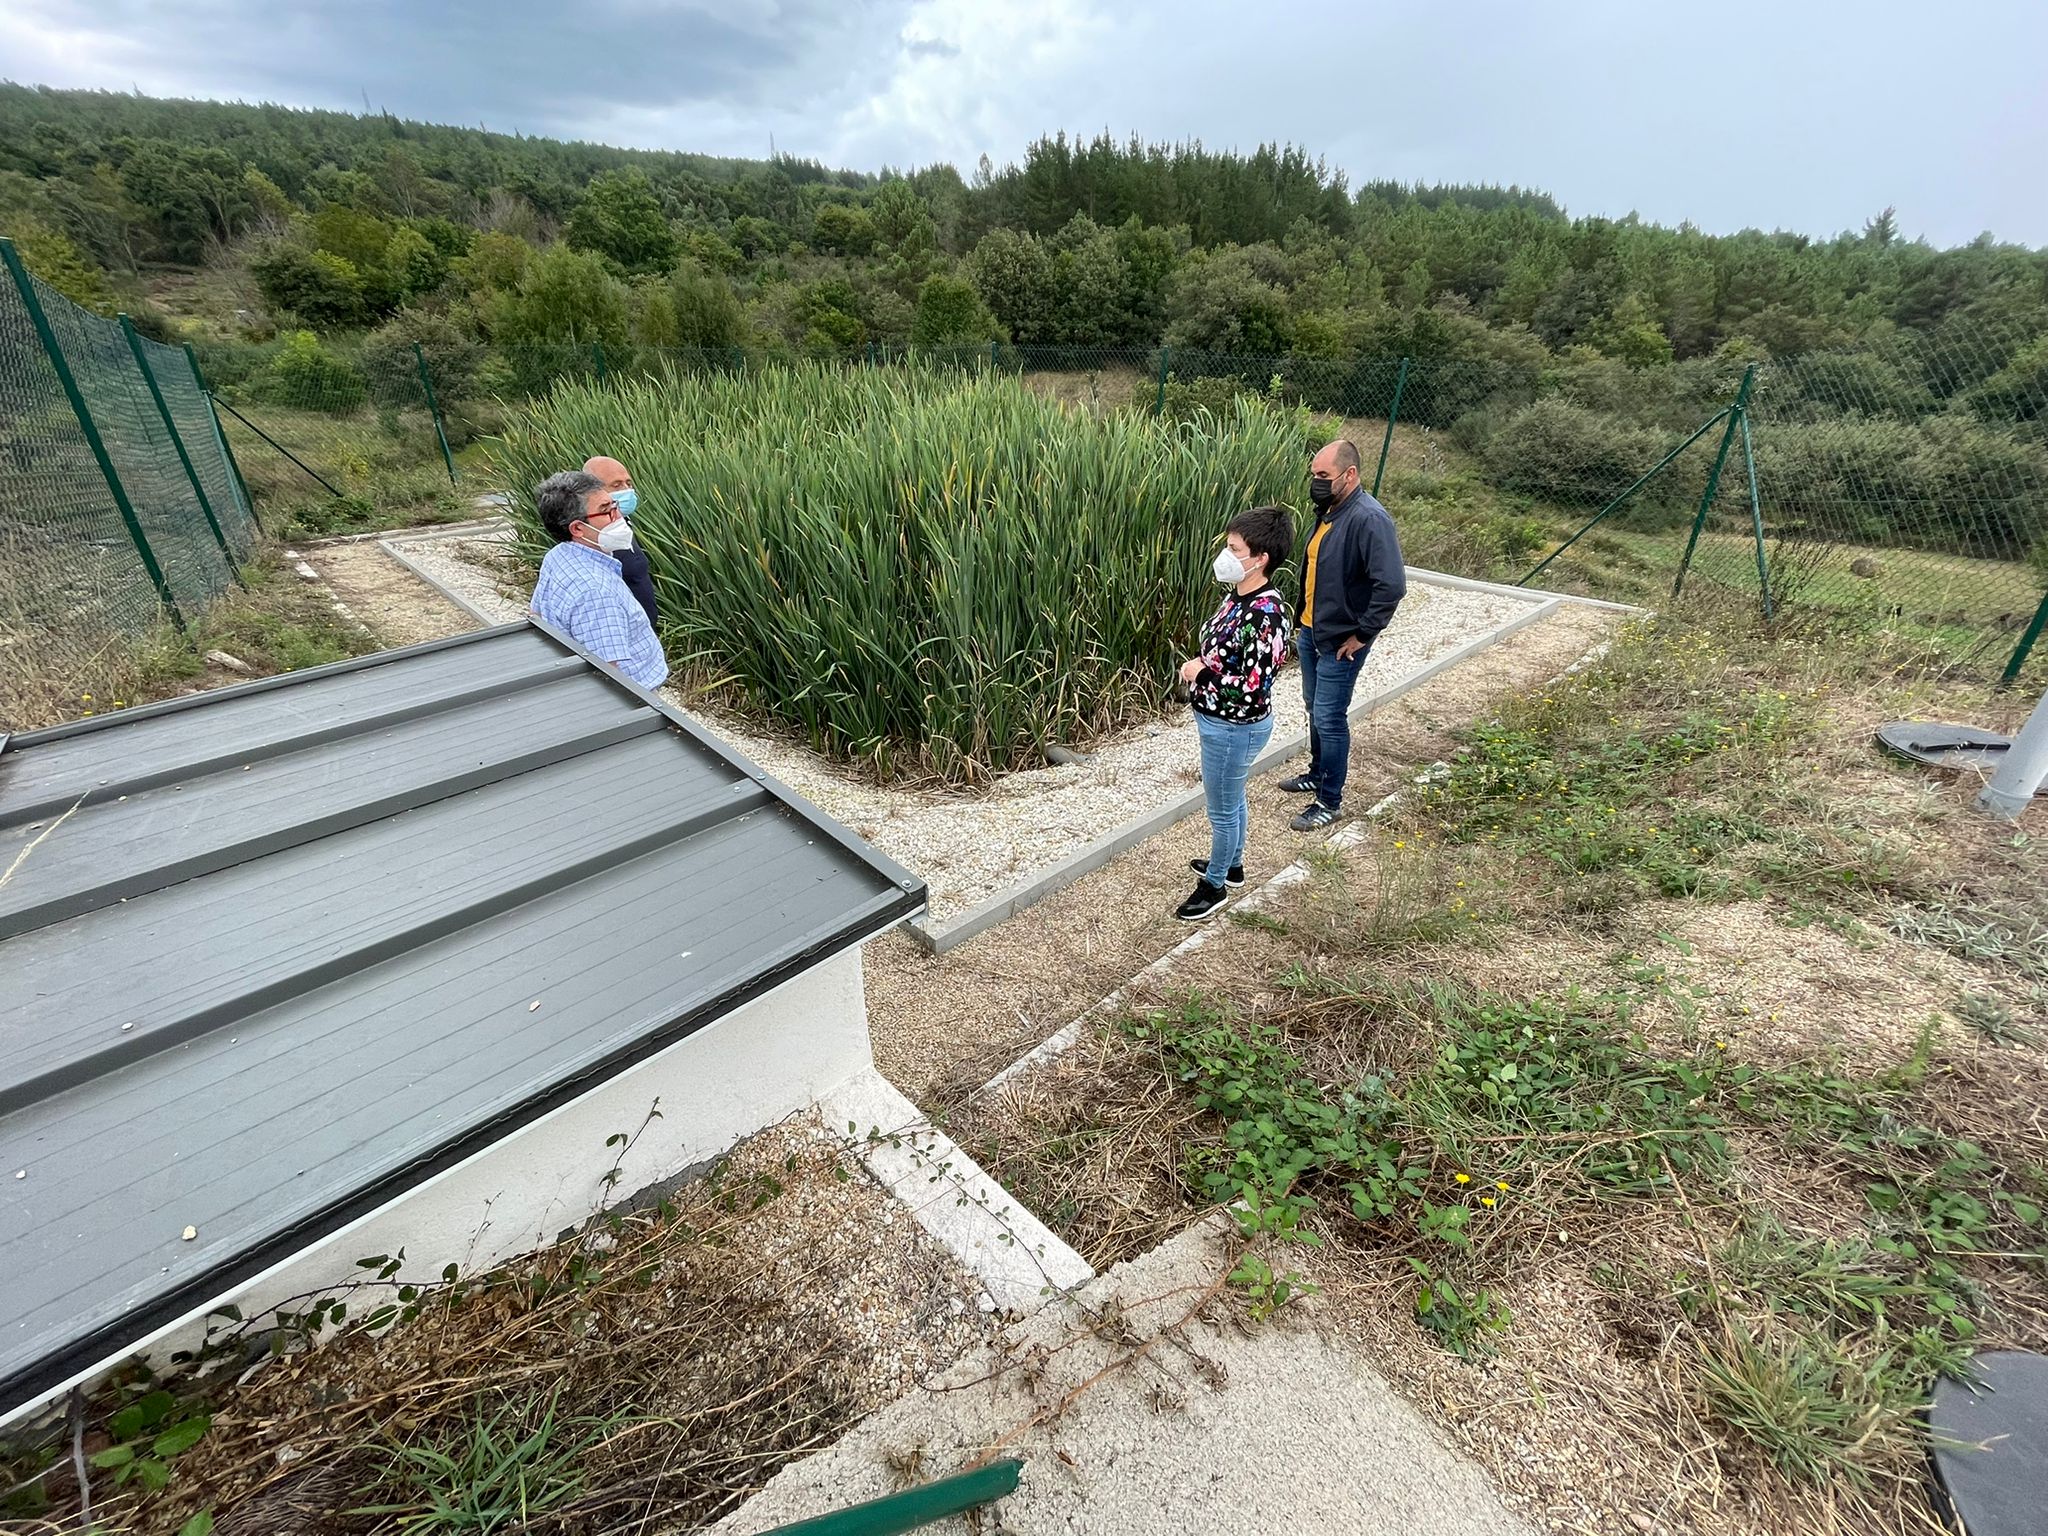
x,y
338,223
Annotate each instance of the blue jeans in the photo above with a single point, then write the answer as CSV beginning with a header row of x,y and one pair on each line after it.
x,y
1229,749
1326,686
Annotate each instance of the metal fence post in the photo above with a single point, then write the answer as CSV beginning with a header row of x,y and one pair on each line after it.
x,y
163,410
323,483
1756,514
1735,415
34,306
419,355
993,356
597,348
1159,400
1393,415
220,437
2026,645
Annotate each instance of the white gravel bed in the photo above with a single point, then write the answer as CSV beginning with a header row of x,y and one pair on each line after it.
x,y
969,846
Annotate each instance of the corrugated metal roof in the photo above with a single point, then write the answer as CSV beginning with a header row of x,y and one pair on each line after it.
x,y
267,955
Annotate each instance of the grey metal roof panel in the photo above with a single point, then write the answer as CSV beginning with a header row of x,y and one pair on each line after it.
x,y
324,1021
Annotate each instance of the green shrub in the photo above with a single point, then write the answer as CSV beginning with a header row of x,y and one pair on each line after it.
x,y
306,376
1565,453
918,570
392,366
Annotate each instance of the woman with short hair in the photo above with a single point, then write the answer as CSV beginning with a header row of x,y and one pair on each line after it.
x,y
1230,685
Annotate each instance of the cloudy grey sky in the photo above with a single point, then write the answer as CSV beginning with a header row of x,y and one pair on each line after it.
x,y
1800,114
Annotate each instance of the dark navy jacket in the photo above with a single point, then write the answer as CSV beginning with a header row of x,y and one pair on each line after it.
x,y
639,581
1360,579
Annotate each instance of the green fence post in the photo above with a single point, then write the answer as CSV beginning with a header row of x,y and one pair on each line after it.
x,y
419,355
1393,415
2026,645
1735,413
163,410
597,347
895,1513
1159,400
220,437
34,306
1756,514
993,357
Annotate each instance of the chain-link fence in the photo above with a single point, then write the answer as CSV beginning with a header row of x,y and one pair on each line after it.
x,y
118,502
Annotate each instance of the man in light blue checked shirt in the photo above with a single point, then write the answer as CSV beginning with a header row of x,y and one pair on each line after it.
x,y
580,591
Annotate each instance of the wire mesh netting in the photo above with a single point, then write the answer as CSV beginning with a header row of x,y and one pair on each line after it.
x,y
77,564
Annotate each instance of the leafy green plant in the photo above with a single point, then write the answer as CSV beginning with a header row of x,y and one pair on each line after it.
x,y
1279,1126
1463,1321
1266,1292
149,1434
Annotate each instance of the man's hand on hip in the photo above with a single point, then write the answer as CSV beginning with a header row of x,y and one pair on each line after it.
x,y
1350,648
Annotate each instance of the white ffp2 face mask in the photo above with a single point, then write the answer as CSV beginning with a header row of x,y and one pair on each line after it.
x,y
1228,568
614,537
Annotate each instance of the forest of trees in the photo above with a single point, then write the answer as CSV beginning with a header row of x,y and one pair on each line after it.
x,y
345,223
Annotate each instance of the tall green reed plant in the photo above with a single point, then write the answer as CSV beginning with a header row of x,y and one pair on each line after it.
x,y
933,574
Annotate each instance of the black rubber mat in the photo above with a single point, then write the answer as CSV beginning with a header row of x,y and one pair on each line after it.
x,y
1991,1444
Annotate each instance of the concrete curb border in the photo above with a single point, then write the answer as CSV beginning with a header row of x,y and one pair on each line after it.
x,y
1007,904
1019,1261
391,548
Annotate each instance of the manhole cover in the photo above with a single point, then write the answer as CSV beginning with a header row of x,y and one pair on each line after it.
x,y
1991,1442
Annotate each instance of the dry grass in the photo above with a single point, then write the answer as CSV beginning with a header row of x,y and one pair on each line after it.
x,y
687,1351
1613,1400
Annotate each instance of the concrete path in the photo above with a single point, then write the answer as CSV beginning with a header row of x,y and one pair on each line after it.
x,y
1217,1426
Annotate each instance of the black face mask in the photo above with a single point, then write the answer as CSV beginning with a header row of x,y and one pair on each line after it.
x,y
1321,490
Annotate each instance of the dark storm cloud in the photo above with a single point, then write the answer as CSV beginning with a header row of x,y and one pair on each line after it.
x,y
542,68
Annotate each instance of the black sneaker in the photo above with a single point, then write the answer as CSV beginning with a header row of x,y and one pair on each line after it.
x,y
1315,818
1234,879
1207,901
1300,784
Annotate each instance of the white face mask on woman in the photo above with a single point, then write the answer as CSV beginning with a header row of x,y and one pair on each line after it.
x,y
614,537
1228,568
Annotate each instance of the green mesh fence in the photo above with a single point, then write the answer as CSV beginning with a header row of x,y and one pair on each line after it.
x,y
1903,482
105,471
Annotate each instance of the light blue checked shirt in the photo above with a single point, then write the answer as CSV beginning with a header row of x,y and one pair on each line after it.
x,y
581,593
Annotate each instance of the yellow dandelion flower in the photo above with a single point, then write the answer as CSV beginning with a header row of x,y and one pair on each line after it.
x,y
1486,1200
1464,1178
1500,1183
1720,1045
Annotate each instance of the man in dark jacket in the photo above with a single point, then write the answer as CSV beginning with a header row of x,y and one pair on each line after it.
x,y
613,476
1352,580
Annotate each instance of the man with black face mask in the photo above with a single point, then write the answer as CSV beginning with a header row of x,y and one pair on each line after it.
x,y
1352,580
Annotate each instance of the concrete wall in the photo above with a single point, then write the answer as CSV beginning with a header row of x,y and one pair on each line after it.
x,y
758,1065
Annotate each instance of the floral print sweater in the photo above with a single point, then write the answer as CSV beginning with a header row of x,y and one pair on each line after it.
x,y
1242,647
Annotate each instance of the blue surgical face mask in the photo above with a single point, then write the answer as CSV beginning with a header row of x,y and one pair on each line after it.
x,y
626,501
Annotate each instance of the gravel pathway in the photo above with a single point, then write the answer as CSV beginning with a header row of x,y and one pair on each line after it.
x,y
970,846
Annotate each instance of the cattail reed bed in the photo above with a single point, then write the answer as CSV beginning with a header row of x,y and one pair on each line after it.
x,y
932,574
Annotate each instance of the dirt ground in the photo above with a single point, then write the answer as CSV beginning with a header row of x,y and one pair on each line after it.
x,y
401,608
